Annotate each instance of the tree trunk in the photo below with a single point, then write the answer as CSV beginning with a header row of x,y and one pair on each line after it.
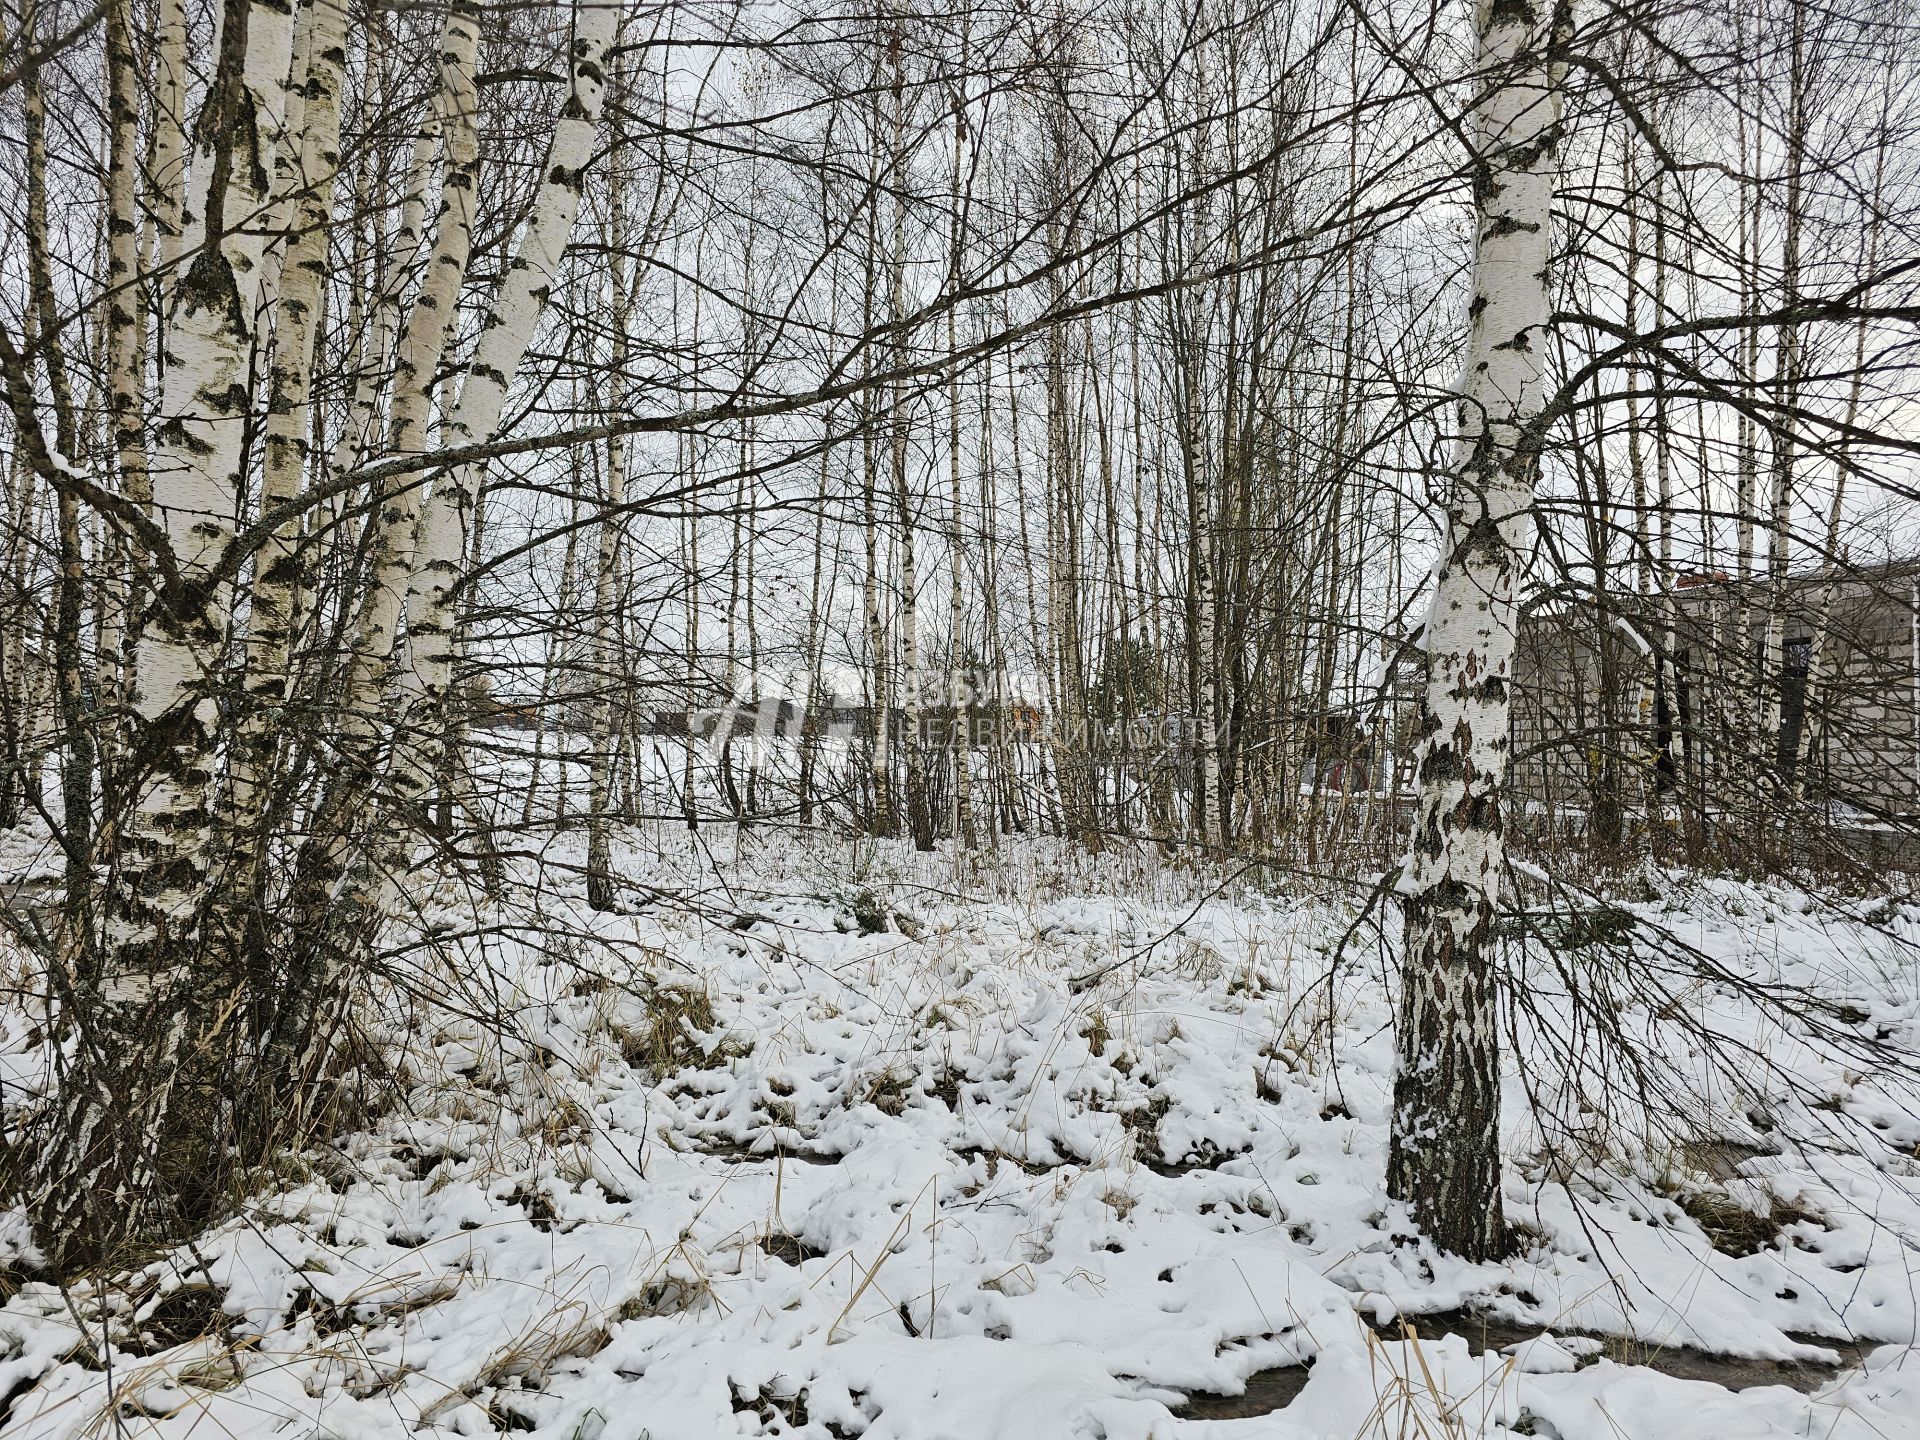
x,y
912,688
330,916
422,343
1444,1159
606,592
959,700
278,576
168,165
125,323
1816,722
882,820
43,331
139,1138
1787,367
505,334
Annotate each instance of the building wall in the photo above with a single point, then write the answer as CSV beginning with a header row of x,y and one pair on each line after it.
x,y
1589,726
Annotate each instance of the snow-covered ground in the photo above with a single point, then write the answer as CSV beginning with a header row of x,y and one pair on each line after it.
x,y
831,1140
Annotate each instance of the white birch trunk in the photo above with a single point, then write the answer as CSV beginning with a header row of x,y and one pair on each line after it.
x,y
360,435
1788,363
881,766
117,1163
319,898
422,342
1675,745
126,344
1445,1156
1813,696
169,163
336,894
606,592
960,733
199,473
508,329
308,191
374,326
126,311
284,159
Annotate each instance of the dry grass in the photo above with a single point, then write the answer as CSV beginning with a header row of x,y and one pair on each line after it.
x,y
677,1033
1412,1400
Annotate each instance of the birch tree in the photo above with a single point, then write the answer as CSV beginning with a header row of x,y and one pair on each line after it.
x,y
143,1024
607,570
1444,1160
277,579
506,332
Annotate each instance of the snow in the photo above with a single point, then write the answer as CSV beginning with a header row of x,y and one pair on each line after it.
x,y
1063,1141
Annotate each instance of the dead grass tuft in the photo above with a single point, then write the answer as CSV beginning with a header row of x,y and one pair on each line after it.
x,y
678,1034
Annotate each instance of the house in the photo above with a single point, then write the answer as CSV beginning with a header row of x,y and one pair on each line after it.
x,y
1616,691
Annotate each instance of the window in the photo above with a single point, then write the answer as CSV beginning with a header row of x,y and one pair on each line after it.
x,y
1797,659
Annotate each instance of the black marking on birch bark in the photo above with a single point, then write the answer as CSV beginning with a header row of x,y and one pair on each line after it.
x,y
174,434
1529,157
284,567
209,285
1442,763
1485,545
234,400
1499,227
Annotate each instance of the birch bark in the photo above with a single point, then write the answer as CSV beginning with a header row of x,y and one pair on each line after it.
x,y
126,332
282,164
884,819
606,595
335,914
1816,722
919,813
120,1165
168,173
43,331
277,581
1787,377
505,334
200,442
1444,1158
422,343
959,701
374,326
